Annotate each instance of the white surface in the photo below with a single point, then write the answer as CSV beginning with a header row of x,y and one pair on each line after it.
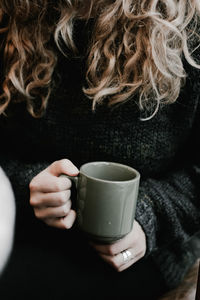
x,y
7,219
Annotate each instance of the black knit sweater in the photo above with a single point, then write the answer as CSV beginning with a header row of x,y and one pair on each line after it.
x,y
164,149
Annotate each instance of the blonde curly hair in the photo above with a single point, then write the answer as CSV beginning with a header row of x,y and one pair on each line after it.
x,y
137,47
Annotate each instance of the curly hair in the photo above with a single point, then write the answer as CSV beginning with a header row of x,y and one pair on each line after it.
x,y
136,48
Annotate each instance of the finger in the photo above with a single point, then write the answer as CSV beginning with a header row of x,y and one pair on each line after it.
x,y
130,262
48,183
118,262
55,222
62,223
64,166
53,212
137,250
40,200
69,219
114,261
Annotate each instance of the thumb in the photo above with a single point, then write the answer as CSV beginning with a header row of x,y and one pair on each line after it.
x,y
63,166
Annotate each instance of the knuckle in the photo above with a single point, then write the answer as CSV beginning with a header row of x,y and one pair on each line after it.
x,y
33,185
57,186
111,250
68,194
54,164
62,164
64,196
66,209
33,201
69,204
66,161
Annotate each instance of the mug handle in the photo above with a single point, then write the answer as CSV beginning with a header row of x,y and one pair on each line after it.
x,y
73,178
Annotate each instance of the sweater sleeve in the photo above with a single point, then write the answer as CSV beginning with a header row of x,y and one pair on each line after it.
x,y
168,208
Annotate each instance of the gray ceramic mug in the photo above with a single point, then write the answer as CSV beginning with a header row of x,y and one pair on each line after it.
x,y
106,200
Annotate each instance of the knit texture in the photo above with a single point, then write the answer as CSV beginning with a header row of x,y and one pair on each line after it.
x,y
164,149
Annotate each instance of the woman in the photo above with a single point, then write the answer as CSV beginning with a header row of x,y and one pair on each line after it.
x,y
111,80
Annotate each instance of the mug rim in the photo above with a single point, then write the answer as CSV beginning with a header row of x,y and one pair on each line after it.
x,y
112,163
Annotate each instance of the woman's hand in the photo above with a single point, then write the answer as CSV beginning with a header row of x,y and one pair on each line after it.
x,y
50,194
125,252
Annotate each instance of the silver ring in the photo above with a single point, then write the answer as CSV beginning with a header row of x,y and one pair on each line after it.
x,y
127,255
